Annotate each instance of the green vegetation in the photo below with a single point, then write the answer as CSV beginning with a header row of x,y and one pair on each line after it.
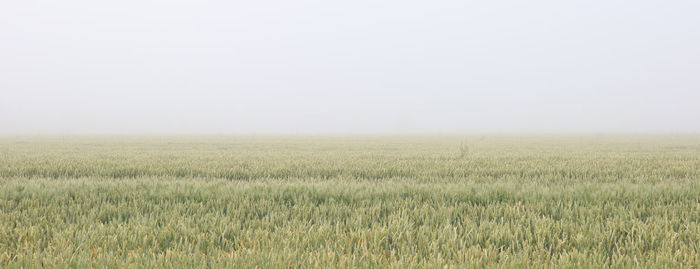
x,y
401,202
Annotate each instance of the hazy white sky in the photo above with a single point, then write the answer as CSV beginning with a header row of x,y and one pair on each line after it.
x,y
271,66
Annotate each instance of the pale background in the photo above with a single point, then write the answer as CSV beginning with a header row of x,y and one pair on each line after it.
x,y
364,66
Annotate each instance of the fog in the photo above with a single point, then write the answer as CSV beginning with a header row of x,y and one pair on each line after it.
x,y
273,66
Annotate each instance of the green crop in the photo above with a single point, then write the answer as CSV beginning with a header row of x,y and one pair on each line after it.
x,y
350,201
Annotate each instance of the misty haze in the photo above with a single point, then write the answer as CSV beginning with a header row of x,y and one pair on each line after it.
x,y
349,134
357,67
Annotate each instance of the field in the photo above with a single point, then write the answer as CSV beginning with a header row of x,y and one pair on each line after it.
x,y
350,201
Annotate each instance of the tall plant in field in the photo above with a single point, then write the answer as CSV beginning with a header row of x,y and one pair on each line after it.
x,y
463,150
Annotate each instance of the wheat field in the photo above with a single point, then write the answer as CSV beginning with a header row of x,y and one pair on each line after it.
x,y
350,201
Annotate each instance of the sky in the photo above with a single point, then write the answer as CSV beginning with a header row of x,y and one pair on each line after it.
x,y
363,66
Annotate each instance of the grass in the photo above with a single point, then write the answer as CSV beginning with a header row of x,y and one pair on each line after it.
x,y
400,201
